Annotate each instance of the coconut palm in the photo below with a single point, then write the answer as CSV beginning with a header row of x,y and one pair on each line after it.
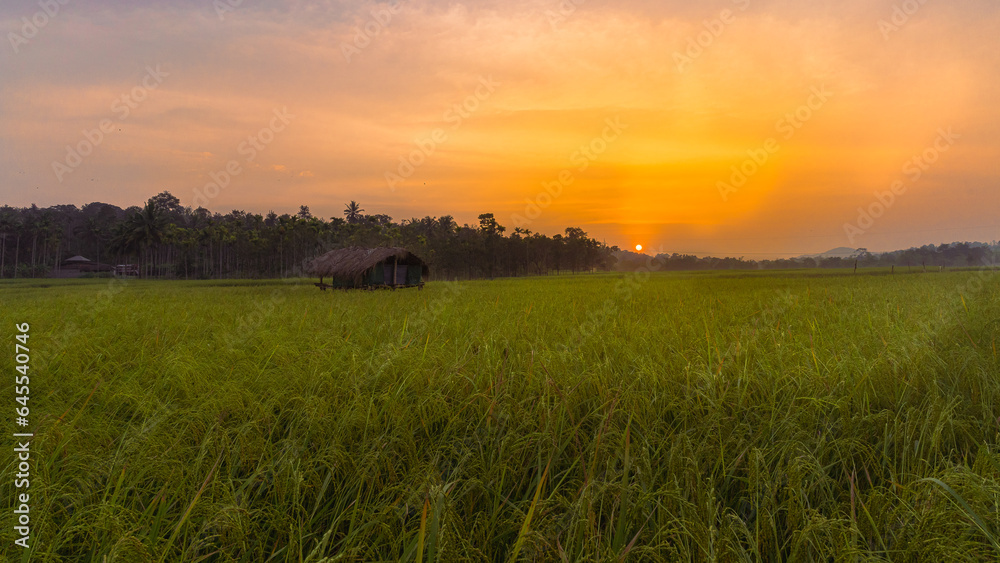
x,y
353,212
143,231
92,229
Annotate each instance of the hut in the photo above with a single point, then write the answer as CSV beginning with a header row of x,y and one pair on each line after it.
x,y
370,268
78,265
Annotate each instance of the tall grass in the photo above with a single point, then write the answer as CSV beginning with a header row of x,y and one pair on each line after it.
x,y
705,418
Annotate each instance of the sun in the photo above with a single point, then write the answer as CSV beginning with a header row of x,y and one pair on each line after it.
x,y
638,248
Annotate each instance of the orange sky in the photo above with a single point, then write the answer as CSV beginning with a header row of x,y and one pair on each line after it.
x,y
539,88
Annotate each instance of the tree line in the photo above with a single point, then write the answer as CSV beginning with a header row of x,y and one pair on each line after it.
x,y
952,255
167,240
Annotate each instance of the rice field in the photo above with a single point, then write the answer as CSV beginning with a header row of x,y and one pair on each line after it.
x,y
789,416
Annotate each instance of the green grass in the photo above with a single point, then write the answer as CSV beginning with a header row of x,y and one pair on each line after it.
x,y
709,417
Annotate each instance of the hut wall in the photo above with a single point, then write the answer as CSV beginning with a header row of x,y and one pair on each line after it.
x,y
376,276
413,276
399,278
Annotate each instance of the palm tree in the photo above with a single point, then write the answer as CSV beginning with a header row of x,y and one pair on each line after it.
x,y
144,230
353,212
91,229
9,223
122,244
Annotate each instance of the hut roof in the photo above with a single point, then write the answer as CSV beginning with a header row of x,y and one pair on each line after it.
x,y
77,259
352,262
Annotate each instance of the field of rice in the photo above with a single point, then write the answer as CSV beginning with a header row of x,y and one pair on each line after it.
x,y
778,416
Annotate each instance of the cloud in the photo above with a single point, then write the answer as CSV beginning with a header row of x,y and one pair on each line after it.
x,y
557,84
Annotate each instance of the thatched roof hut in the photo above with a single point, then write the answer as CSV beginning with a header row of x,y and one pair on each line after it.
x,y
369,267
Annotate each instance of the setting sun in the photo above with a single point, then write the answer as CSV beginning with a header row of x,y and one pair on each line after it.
x,y
638,248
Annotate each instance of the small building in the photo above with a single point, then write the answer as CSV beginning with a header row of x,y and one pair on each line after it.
x,y
126,271
78,265
370,268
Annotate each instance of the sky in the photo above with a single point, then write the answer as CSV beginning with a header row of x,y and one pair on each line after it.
x,y
754,128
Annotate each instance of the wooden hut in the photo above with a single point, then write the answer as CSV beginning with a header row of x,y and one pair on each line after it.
x,y
370,268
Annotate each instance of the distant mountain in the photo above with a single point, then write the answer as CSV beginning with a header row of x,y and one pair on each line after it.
x,y
839,252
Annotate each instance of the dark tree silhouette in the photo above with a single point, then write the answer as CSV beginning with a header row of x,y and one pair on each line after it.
x,y
168,240
353,212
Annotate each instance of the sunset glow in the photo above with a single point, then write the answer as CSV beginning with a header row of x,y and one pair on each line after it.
x,y
733,127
